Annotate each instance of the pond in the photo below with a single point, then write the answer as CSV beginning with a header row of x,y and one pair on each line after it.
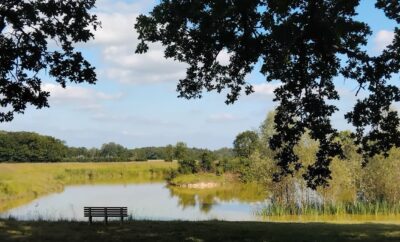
x,y
157,201
153,201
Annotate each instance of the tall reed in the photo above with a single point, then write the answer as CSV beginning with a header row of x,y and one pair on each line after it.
x,y
340,208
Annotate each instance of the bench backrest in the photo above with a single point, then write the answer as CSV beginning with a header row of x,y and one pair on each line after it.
x,y
105,211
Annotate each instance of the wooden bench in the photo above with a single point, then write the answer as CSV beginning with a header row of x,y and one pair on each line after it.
x,y
106,212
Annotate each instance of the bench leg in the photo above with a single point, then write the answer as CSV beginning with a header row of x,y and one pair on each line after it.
x,y
106,219
90,219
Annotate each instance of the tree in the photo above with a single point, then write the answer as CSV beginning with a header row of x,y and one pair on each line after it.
x,y
169,153
181,151
78,153
245,144
25,28
267,131
187,166
207,161
30,147
114,151
304,44
224,153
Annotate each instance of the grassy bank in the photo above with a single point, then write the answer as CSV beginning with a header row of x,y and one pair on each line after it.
x,y
22,182
186,179
196,231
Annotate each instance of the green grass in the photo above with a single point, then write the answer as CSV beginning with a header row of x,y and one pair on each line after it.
x,y
23,182
196,231
184,179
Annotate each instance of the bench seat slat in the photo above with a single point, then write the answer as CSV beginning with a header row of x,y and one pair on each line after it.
x,y
107,210
116,212
107,213
104,207
104,213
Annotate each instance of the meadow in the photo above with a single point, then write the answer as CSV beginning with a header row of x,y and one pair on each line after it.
x,y
23,182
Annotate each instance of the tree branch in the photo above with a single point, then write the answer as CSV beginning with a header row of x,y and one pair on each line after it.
x,y
2,24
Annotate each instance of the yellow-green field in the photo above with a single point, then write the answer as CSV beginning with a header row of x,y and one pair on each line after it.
x,y
186,179
22,182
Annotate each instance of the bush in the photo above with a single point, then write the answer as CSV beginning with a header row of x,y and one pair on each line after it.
x,y
229,165
171,174
207,162
187,166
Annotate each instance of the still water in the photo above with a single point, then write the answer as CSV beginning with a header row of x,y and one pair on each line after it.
x,y
153,201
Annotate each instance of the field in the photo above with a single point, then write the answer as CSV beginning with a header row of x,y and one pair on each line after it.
x,y
22,182
196,231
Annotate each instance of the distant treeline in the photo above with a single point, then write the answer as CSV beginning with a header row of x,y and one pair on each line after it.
x,y
33,147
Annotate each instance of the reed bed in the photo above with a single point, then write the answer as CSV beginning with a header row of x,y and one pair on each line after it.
x,y
339,208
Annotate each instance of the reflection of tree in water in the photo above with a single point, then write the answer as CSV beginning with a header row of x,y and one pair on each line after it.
x,y
191,197
206,202
206,207
184,200
207,198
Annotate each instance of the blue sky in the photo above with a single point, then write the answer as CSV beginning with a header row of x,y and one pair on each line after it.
x,y
135,103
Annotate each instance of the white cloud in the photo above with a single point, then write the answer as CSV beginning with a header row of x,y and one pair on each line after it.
x,y
382,39
224,57
117,41
265,89
127,67
87,99
116,29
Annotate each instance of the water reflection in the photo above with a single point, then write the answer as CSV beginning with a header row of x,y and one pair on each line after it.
x,y
206,199
147,201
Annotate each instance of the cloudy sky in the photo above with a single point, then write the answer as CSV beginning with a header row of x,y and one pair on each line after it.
x,y
135,103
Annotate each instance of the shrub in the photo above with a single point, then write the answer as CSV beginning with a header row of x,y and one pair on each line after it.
x,y
207,162
187,166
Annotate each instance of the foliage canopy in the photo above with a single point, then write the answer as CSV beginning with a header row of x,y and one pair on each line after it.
x,y
25,30
245,144
303,44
